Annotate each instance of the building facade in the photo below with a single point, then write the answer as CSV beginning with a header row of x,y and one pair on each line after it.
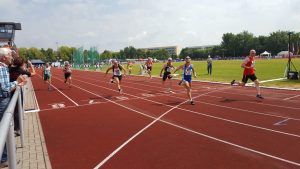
x,y
172,50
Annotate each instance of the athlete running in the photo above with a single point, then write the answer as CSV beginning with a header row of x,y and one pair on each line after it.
x,y
117,74
167,69
129,67
68,73
249,73
188,71
149,64
47,75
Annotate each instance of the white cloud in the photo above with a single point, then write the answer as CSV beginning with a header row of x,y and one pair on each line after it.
x,y
114,24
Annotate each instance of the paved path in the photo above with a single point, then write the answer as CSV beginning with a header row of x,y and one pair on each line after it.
x,y
34,154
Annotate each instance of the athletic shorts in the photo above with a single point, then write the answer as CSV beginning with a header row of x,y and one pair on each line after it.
x,y
67,75
119,77
47,77
246,77
149,68
187,78
167,75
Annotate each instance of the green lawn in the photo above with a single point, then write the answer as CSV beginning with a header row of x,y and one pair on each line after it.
x,y
227,70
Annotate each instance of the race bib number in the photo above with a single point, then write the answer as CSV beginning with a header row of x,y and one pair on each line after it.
x,y
188,71
117,72
252,64
169,69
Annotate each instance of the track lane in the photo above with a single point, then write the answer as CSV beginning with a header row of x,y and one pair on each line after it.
x,y
243,115
47,99
143,106
164,146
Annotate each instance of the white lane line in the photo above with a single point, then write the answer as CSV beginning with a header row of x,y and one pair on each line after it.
x,y
62,92
207,115
264,81
291,97
134,136
281,123
204,135
232,144
141,131
254,112
261,103
273,98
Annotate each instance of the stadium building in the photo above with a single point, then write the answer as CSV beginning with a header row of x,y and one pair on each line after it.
x,y
172,50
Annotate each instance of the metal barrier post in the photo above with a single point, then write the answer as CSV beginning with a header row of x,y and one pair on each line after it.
x,y
21,118
11,147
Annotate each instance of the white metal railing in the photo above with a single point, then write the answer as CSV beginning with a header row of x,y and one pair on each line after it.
x,y
7,128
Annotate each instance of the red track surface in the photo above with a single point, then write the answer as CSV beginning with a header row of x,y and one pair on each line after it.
x,y
227,128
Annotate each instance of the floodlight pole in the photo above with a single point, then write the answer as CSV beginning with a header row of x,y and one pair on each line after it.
x,y
289,50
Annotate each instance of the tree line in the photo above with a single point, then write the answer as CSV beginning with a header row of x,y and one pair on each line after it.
x,y
232,45
237,45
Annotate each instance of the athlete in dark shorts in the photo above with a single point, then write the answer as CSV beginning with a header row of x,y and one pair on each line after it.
x,y
47,75
249,73
68,72
167,68
117,74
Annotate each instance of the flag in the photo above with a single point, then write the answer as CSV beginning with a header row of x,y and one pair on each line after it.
x,y
298,49
293,50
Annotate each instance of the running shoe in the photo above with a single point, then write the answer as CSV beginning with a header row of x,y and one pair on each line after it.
x,y
232,82
120,91
180,82
259,96
192,102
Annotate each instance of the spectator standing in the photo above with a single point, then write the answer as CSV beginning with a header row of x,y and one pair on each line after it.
x,y
5,89
209,65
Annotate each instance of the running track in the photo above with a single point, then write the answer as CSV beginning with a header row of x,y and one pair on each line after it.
x,y
92,126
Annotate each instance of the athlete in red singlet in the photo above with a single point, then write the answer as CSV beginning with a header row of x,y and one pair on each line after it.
x,y
249,73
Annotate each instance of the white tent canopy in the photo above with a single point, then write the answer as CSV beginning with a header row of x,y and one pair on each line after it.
x,y
265,54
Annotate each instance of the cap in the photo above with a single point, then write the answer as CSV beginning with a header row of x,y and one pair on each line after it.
x,y
170,59
187,57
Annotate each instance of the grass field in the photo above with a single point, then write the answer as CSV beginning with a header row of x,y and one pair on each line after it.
x,y
227,70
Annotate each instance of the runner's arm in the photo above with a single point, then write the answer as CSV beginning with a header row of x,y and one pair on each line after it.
x,y
162,70
32,69
244,64
124,70
108,70
194,73
180,67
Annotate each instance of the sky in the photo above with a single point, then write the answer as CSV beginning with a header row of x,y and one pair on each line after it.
x,y
115,24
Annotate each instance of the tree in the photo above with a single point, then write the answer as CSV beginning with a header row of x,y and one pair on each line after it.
x,y
106,54
277,41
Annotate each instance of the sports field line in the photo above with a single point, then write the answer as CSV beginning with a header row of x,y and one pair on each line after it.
x,y
264,81
214,138
207,115
271,105
270,98
222,91
207,136
260,103
232,144
292,97
136,84
223,83
266,114
155,82
61,92
137,134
